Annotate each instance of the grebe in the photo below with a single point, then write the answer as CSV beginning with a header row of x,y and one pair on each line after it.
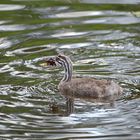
x,y
82,87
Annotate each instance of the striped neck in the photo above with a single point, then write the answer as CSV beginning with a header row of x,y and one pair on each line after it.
x,y
67,65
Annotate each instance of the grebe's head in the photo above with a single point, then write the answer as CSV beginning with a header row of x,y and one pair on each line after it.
x,y
63,61
59,60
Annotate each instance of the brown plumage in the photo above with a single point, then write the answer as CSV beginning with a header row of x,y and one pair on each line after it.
x,y
89,88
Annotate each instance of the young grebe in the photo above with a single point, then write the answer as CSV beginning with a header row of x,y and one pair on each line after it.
x,y
82,87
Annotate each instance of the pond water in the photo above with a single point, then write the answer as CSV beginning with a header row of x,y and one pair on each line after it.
x,y
102,39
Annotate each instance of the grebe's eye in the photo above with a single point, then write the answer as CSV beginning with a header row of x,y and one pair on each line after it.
x,y
57,58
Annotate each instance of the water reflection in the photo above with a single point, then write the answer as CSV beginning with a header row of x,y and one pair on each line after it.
x,y
107,1
107,102
5,43
33,49
18,27
11,7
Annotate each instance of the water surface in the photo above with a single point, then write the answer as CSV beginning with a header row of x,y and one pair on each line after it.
x,y
102,39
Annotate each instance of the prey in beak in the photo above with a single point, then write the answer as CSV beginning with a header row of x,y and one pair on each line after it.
x,y
48,62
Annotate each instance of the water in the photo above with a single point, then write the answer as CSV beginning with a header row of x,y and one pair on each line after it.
x,y
102,39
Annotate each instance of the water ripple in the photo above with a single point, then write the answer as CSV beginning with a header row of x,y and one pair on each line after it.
x,y
110,2
18,27
5,43
114,35
78,14
11,7
31,50
113,20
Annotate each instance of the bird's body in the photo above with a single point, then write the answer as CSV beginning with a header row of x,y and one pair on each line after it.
x,y
89,88
83,87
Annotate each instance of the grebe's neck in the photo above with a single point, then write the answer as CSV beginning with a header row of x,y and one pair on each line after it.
x,y
67,65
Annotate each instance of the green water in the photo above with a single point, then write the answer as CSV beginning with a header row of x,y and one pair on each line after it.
x,y
102,39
